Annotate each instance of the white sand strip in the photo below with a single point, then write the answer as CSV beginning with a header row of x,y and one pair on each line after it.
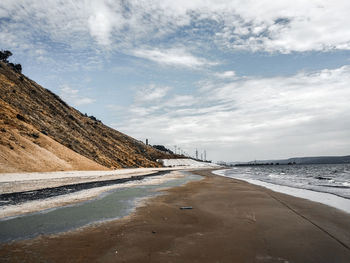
x,y
11,177
20,182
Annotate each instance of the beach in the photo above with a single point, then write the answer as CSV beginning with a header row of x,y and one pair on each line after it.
x,y
227,220
174,131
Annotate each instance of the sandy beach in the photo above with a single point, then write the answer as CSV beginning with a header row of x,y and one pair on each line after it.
x,y
230,221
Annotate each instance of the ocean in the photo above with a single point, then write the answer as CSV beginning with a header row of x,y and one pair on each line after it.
x,y
321,179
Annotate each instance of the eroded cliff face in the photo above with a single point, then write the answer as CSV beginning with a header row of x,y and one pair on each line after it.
x,y
40,132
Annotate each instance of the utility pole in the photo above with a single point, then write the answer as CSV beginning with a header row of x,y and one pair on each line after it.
x,y
205,155
197,154
175,148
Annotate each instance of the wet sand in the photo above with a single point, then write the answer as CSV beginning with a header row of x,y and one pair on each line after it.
x,y
231,221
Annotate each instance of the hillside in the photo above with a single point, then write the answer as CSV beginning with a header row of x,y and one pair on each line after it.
x,y
40,132
303,160
319,160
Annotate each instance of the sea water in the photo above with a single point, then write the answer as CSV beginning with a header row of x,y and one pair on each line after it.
x,y
329,183
108,206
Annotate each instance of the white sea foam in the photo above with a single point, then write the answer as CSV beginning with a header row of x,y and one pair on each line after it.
x,y
274,176
324,198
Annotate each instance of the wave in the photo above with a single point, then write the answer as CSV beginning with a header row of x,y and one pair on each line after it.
x,y
313,193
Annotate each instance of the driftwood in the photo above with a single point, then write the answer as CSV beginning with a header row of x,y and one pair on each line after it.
x,y
186,207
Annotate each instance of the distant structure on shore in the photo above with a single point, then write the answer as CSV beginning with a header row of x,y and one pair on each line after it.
x,y
198,155
262,164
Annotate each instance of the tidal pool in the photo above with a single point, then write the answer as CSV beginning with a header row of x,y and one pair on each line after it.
x,y
108,206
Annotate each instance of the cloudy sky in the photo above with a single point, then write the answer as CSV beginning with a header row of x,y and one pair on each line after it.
x,y
243,80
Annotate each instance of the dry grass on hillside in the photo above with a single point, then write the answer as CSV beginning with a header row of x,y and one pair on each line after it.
x,y
23,148
44,114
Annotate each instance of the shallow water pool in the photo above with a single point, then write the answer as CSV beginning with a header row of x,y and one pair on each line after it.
x,y
108,206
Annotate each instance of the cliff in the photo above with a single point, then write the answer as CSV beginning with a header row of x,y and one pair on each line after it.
x,y
40,132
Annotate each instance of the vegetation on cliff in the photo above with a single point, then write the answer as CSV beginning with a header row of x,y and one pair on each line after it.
x,y
35,113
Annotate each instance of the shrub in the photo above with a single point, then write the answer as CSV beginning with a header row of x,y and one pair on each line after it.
x,y
18,68
4,55
162,148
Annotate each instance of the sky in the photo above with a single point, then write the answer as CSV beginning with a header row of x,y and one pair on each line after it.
x,y
242,80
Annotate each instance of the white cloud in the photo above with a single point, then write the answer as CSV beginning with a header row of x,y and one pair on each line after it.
x,y
151,93
304,114
106,17
100,27
286,26
172,57
72,96
180,101
226,74
274,26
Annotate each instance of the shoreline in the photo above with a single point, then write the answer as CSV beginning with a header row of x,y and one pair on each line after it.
x,y
329,199
231,221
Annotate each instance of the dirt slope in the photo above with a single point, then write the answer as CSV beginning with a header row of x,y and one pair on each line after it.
x,y
23,148
40,132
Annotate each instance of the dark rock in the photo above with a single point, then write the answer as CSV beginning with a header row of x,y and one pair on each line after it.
x,y
20,117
